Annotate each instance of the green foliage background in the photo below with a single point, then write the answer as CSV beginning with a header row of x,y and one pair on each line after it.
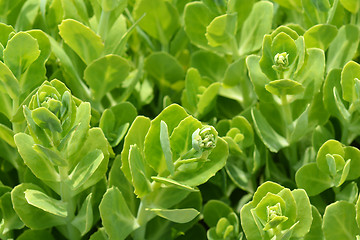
x,y
179,119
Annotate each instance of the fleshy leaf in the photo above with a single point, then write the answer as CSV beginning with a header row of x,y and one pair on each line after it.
x,y
137,166
115,215
176,215
41,200
21,51
106,73
81,39
339,221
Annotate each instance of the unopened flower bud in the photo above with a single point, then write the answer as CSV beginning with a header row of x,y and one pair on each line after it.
x,y
281,61
204,138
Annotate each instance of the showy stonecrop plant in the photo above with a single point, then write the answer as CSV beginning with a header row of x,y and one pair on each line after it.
x,y
163,161
66,158
276,213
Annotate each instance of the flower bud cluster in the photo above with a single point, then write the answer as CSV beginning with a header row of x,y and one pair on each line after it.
x,y
281,61
204,138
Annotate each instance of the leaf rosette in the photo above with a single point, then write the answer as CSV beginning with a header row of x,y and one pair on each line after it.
x,y
276,213
64,154
170,155
290,66
335,163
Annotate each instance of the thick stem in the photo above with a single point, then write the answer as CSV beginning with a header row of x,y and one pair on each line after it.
x,y
139,234
287,114
66,197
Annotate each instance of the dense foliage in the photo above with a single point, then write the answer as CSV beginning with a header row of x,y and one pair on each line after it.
x,y
179,119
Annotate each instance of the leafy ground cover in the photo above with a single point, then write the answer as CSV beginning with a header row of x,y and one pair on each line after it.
x,y
179,119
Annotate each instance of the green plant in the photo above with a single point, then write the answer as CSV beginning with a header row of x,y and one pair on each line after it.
x,y
179,119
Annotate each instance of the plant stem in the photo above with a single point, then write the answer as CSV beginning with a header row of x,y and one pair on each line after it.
x,y
66,197
139,234
287,114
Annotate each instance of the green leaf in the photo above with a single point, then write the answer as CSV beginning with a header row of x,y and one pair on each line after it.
x,y
100,234
199,173
304,213
32,216
222,30
258,78
136,135
348,75
161,19
10,220
5,31
239,175
46,119
312,14
41,200
115,121
109,5
284,43
27,15
31,234
351,5
176,215
82,123
315,230
86,168
266,61
349,193
214,210
331,83
81,39
344,174
329,147
53,155
339,221
84,219
8,82
242,8
106,73
343,47
140,181
271,139
181,137
284,87
172,183
320,36
164,67
35,74
314,181
300,124
21,51
116,216
42,168
290,4
207,99
331,164
209,64
354,154
250,228
172,115
165,145
192,84
255,27
197,16
7,135
76,84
